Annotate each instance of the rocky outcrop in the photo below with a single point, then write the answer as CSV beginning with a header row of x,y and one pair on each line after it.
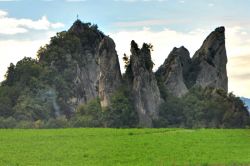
x,y
144,85
81,64
207,68
98,72
86,64
210,62
174,69
110,75
87,67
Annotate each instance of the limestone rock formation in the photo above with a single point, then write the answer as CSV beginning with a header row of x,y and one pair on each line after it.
x,y
210,62
85,65
173,71
110,75
207,68
144,85
87,68
73,57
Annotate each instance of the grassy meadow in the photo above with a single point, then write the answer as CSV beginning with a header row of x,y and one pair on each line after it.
x,y
87,146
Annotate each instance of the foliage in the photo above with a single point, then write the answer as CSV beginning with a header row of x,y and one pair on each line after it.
x,y
204,108
146,49
171,114
9,122
24,73
121,113
126,61
58,122
89,115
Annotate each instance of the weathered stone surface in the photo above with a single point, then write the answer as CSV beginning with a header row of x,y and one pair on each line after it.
x,y
144,85
210,61
98,71
110,75
207,68
87,67
174,69
95,70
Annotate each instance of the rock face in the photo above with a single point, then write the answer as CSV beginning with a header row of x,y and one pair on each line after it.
x,y
144,85
174,69
86,64
87,68
211,61
207,68
110,75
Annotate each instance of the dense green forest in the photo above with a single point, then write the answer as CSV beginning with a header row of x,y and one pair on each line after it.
x,y
35,94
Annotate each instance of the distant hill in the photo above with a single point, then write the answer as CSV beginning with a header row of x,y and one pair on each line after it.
x,y
247,102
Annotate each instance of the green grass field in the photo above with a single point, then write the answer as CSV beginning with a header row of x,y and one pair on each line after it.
x,y
124,147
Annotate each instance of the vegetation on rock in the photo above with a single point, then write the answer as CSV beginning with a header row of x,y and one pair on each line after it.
x,y
60,89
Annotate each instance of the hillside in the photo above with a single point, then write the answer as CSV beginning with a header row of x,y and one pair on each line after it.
x,y
76,82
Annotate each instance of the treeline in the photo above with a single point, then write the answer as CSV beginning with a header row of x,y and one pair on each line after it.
x,y
204,108
199,108
120,114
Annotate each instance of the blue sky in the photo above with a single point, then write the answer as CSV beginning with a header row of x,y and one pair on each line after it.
x,y
181,15
25,25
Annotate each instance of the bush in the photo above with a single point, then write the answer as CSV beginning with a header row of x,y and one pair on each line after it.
x,y
9,122
59,122
121,113
85,121
203,108
25,124
89,115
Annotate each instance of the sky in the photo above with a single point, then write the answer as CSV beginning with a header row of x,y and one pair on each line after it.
x,y
25,25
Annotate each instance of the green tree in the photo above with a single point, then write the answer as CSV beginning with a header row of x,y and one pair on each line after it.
x,y
121,113
89,115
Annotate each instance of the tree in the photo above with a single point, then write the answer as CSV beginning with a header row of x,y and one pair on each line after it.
x,y
89,115
126,60
10,75
121,112
146,49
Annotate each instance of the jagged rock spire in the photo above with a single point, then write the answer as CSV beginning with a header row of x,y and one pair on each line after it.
x,y
211,61
144,85
207,68
110,75
173,71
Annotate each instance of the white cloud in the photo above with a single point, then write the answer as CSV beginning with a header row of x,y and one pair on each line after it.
x,y
11,26
237,44
3,13
14,50
239,71
163,41
13,47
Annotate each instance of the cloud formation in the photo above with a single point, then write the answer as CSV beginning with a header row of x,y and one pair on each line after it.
x,y
12,26
16,39
237,43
